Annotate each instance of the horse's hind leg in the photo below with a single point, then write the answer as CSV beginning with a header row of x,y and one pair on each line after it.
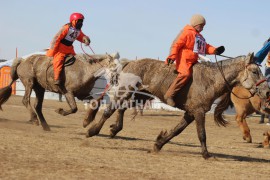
x,y
165,137
72,104
26,101
242,123
118,126
122,103
38,106
95,127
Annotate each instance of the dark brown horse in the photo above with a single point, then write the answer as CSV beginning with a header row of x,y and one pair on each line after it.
x,y
36,73
154,78
244,106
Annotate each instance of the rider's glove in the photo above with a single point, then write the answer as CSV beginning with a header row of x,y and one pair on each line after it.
x,y
86,40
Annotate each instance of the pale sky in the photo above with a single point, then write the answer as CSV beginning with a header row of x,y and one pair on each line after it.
x,y
134,28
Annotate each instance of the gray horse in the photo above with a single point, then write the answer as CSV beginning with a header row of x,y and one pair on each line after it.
x,y
36,73
195,98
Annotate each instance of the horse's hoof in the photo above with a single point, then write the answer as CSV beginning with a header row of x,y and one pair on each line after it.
x,y
85,123
248,139
91,132
46,127
34,122
112,134
156,148
60,111
206,156
211,158
113,130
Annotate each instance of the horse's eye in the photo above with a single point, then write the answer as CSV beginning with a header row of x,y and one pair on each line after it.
x,y
255,72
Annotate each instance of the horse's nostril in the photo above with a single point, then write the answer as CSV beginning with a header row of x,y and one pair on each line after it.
x,y
268,93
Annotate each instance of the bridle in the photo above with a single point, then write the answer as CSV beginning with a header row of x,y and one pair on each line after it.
x,y
228,85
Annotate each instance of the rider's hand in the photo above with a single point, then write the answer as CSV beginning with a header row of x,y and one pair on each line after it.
x,y
86,40
170,61
175,71
219,50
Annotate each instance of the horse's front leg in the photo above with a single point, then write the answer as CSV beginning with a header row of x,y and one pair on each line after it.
x,y
244,128
95,127
38,106
165,137
118,126
72,104
200,125
247,135
92,111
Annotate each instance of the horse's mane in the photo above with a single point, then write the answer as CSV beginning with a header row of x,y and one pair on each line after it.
x,y
224,62
203,64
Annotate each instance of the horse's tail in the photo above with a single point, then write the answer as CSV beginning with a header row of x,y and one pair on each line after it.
x,y
13,72
223,104
5,92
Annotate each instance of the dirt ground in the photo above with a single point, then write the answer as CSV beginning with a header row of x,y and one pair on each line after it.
x,y
27,152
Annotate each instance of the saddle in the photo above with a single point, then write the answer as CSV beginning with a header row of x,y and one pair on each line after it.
x,y
69,60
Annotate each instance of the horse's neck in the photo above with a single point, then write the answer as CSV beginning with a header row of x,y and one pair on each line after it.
x,y
225,76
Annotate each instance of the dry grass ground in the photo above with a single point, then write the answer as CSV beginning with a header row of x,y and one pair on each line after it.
x,y
27,152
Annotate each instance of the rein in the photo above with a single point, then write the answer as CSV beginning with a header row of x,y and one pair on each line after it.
x,y
226,56
90,55
108,84
227,83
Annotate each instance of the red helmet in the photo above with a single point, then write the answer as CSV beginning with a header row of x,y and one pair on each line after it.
x,y
75,16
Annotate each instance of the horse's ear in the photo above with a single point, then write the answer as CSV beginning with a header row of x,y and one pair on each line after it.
x,y
249,58
252,56
115,55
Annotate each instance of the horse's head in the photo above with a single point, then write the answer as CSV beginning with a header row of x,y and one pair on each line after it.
x,y
113,61
253,79
114,68
111,67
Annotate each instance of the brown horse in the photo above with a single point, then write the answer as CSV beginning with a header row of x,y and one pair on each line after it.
x,y
244,106
207,84
36,73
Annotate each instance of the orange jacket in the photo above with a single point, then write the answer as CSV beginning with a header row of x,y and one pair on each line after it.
x,y
182,49
62,41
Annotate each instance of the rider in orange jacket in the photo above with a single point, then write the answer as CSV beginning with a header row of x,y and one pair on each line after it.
x,y
61,44
185,51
